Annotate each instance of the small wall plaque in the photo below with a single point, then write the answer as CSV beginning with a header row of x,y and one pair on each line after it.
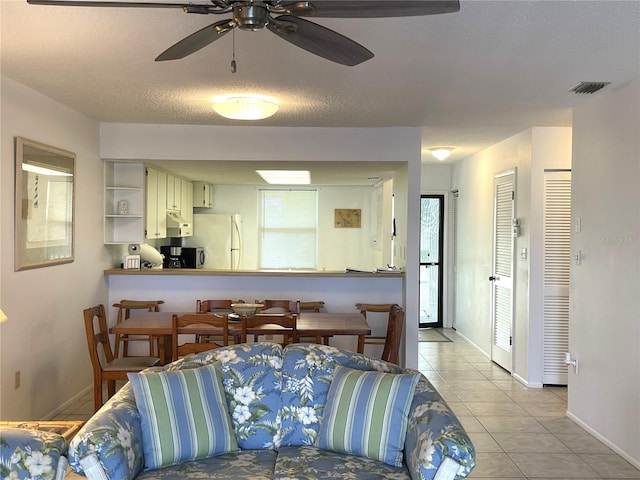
x,y
347,218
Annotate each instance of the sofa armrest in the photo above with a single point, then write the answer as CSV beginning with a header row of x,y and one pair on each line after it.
x,y
435,438
109,445
27,453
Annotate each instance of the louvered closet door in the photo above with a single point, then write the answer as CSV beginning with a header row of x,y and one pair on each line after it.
x,y
502,275
557,261
454,256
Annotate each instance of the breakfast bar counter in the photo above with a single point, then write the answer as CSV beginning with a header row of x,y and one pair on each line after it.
x,y
181,288
202,272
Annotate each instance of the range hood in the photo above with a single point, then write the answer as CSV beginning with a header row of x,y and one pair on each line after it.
x,y
178,226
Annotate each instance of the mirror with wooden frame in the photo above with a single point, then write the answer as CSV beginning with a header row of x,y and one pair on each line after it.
x,y
44,205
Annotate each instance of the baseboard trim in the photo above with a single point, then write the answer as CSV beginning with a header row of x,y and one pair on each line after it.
x,y
526,383
476,346
68,403
608,443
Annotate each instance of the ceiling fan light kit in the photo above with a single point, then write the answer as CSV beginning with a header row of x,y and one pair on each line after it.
x,y
245,107
282,18
441,153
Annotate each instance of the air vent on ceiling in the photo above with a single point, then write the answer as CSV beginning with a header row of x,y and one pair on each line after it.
x,y
588,87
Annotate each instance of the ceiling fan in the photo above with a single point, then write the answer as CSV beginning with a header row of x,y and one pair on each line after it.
x,y
282,17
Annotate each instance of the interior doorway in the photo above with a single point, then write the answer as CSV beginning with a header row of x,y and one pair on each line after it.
x,y
431,260
501,277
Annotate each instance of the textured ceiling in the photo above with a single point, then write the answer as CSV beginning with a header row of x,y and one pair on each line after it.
x,y
470,78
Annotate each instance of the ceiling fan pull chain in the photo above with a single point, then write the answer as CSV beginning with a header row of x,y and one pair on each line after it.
x,y
233,53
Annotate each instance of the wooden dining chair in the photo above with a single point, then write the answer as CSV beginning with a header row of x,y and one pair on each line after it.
x,y
278,306
373,307
296,306
124,311
285,324
219,306
215,306
391,339
210,326
110,368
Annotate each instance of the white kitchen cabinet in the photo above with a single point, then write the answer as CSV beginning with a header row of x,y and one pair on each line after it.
x,y
174,192
186,203
123,202
202,194
156,204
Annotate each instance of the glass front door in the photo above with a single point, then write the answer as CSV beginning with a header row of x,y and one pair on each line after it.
x,y
431,254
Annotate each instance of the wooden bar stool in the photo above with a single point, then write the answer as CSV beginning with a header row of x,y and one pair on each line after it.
x,y
124,311
112,368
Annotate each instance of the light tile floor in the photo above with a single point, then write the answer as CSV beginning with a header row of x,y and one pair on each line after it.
x,y
518,432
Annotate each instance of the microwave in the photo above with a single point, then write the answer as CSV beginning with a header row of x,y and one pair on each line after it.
x,y
193,257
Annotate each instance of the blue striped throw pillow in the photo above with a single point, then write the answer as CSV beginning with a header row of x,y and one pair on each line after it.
x,y
366,414
184,415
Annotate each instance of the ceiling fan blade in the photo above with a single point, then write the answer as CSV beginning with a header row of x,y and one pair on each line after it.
x,y
319,40
378,8
88,3
197,40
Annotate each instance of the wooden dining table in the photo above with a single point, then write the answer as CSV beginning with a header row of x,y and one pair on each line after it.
x,y
158,324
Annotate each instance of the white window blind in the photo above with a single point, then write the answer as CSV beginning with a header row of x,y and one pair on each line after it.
x,y
288,229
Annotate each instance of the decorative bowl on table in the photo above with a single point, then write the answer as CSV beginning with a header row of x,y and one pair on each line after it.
x,y
246,309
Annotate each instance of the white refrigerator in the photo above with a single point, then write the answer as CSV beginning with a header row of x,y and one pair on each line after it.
x,y
220,234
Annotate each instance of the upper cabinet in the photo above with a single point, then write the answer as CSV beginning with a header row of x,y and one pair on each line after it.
x,y
124,184
174,192
156,204
186,203
202,194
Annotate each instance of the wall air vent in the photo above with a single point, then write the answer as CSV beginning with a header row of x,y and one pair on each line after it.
x,y
588,87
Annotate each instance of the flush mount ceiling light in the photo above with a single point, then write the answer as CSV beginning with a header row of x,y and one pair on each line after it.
x,y
286,177
441,153
245,107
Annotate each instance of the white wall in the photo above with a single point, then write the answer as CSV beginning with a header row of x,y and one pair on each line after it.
x,y
44,336
435,178
605,305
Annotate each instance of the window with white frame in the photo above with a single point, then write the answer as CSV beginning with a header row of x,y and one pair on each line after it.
x,y
288,229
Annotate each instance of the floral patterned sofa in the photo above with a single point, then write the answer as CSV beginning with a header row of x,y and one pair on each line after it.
x,y
281,417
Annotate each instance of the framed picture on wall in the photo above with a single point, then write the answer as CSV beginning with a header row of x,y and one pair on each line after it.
x,y
44,205
347,218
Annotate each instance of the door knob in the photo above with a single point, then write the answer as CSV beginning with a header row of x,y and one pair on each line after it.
x,y
493,278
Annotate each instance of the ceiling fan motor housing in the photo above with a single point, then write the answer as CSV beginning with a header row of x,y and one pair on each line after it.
x,y
250,16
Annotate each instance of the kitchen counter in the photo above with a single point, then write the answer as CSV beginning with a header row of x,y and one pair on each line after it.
x,y
201,272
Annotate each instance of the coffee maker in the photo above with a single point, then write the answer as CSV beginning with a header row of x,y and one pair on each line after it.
x,y
172,256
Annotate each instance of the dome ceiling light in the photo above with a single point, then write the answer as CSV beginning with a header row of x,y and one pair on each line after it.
x,y
245,107
441,153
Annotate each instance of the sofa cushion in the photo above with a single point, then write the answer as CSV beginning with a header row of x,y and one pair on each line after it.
x,y
184,415
30,454
252,381
307,462
242,465
306,375
366,413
